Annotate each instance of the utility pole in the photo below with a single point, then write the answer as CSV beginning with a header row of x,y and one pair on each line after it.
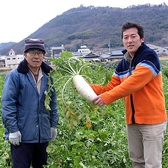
x,y
109,47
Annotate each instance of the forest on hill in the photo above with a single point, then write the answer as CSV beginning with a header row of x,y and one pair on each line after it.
x,y
97,26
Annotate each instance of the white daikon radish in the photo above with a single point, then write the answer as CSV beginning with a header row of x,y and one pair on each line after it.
x,y
83,88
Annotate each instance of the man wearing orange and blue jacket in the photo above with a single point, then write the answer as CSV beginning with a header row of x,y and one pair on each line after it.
x,y
138,79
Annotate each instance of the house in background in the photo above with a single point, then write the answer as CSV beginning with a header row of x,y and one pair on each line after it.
x,y
56,51
161,51
2,61
13,60
11,52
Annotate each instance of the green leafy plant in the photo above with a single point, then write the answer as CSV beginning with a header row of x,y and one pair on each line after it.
x,y
70,72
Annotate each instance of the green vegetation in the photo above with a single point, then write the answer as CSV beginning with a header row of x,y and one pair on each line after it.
x,y
104,144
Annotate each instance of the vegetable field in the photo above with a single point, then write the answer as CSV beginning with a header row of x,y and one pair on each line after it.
x,y
88,136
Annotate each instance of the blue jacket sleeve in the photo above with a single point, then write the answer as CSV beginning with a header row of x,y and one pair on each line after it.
x,y
9,105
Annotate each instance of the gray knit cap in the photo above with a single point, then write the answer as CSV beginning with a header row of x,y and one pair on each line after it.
x,y
34,44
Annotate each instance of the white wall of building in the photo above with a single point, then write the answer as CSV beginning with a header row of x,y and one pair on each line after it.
x,y
13,60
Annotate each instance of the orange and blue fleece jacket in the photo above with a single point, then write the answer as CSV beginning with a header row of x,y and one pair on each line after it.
x,y
139,82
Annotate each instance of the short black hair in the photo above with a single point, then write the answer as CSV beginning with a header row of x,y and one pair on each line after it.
x,y
129,25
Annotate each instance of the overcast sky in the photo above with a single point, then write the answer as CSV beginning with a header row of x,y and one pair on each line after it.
x,y
20,18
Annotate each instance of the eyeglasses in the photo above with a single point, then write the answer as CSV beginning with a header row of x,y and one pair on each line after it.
x,y
33,53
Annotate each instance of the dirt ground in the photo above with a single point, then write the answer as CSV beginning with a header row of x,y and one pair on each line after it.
x,y
163,57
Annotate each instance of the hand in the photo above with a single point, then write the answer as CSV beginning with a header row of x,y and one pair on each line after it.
x,y
15,138
53,133
98,101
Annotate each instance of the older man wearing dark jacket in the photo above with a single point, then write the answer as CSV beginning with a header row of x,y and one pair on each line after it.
x,y
29,125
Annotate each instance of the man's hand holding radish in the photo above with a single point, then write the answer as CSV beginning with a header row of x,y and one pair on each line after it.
x,y
98,101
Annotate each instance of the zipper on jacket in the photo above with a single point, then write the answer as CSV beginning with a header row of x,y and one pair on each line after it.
x,y
133,110
131,96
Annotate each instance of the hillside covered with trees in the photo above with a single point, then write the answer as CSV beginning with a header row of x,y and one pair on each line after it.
x,y
97,26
